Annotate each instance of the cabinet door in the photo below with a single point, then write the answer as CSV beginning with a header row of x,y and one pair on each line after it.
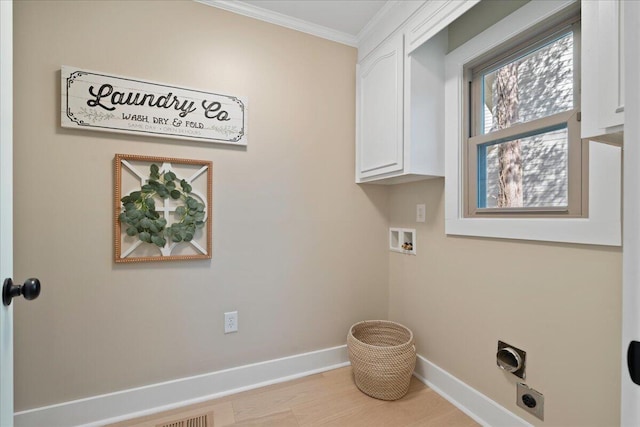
x,y
611,29
379,105
602,73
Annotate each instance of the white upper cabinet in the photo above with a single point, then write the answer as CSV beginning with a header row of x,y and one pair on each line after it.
x,y
602,88
424,109
400,95
379,92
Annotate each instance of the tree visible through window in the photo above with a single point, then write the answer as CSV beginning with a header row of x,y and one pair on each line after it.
x,y
505,94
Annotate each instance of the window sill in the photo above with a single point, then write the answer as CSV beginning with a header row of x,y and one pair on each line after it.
x,y
603,227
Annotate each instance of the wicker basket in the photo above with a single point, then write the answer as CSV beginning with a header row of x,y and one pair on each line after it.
x,y
383,356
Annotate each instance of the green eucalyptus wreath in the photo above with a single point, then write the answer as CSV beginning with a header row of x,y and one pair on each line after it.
x,y
141,218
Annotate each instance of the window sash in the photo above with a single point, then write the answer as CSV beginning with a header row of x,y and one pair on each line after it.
x,y
523,130
531,44
577,161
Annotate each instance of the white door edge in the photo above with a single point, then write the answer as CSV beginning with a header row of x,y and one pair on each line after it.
x,y
6,208
630,395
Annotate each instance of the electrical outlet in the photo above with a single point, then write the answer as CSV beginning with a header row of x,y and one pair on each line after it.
x,y
421,212
530,400
230,322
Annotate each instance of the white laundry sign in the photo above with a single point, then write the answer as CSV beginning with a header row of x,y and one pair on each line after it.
x,y
93,100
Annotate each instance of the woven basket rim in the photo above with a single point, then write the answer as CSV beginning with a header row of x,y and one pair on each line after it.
x,y
401,326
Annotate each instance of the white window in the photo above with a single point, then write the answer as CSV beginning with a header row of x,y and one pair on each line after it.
x,y
515,164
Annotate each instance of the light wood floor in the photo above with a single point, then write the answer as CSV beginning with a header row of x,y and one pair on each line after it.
x,y
329,399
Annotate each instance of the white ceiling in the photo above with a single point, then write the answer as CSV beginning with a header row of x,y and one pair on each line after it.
x,y
347,16
338,20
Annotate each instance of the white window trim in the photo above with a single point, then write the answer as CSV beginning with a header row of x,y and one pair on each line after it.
x,y
603,227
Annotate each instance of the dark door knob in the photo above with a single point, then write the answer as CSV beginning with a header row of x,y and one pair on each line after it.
x,y
29,290
633,360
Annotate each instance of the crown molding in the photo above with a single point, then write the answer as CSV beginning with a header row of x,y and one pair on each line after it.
x,y
255,12
373,22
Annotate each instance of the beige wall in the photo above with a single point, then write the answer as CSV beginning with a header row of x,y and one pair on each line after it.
x,y
299,249
295,247
559,303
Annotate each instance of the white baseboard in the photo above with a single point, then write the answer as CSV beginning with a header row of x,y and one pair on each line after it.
x,y
469,400
141,401
154,398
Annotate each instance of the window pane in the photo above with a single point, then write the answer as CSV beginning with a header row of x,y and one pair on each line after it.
x,y
534,171
536,85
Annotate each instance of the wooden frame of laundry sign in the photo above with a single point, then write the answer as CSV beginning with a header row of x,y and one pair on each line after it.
x,y
102,102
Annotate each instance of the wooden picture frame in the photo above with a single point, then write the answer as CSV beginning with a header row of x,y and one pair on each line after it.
x,y
162,212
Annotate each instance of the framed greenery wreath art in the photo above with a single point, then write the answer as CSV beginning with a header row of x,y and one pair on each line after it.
x,y
162,208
